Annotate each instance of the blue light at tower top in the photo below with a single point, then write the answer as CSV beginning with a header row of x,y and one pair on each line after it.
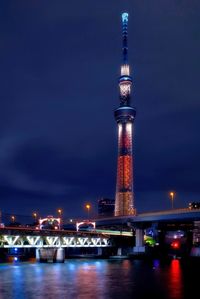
x,y
125,37
125,17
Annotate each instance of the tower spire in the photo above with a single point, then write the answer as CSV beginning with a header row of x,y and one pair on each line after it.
x,y
125,37
125,80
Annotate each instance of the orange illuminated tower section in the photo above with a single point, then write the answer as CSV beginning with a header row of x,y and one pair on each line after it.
x,y
125,115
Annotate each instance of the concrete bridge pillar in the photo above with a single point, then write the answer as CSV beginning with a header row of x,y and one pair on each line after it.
x,y
99,252
60,255
37,254
119,251
139,241
50,255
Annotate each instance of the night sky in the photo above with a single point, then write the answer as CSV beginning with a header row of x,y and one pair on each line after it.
x,y
59,68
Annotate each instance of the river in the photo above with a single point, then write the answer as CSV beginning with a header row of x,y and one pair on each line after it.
x,y
99,279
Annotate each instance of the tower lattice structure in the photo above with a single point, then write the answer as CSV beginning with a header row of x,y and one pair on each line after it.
x,y
125,115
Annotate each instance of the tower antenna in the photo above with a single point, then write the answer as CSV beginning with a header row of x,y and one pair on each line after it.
x,y
125,37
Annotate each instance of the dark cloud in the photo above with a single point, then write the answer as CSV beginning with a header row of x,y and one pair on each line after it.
x,y
59,67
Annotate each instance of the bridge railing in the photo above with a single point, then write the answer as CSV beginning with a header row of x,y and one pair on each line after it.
x,y
174,211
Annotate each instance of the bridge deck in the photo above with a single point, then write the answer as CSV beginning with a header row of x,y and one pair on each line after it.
x,y
184,214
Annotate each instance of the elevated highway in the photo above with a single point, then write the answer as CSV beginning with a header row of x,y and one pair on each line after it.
x,y
160,222
177,215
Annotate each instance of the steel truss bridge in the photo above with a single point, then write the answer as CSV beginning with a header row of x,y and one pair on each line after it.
x,y
31,238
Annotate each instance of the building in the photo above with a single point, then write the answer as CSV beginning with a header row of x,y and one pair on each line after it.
x,y
106,207
124,116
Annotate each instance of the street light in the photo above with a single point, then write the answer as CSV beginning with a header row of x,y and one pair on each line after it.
x,y
35,216
172,198
60,215
13,218
88,206
59,212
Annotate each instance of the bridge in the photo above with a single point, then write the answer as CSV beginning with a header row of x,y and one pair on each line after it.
x,y
184,214
25,238
186,218
51,244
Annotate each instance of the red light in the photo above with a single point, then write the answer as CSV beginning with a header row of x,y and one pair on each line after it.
x,y
175,245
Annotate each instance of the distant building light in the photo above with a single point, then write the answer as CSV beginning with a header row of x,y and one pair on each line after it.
x,y
194,205
106,207
175,245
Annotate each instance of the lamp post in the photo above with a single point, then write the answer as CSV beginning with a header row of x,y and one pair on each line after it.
x,y
88,206
172,198
13,219
35,216
59,212
60,215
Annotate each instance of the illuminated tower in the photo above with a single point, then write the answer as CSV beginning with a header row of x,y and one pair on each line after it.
x,y
125,115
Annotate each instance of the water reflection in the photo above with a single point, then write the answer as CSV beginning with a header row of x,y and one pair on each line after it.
x,y
175,285
99,279
156,264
